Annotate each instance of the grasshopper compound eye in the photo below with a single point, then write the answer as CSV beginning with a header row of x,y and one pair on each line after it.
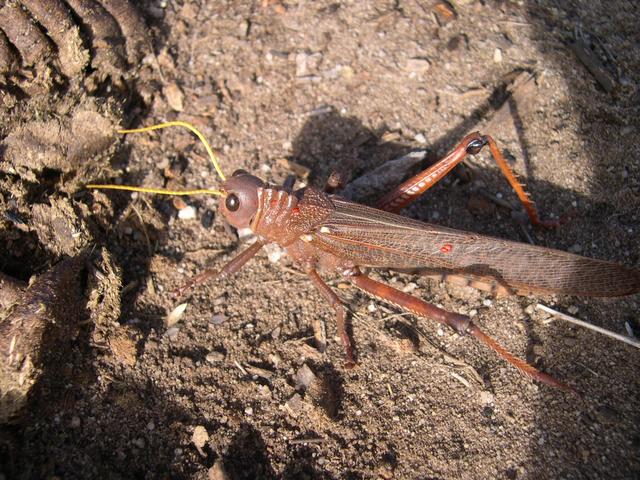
x,y
232,202
474,146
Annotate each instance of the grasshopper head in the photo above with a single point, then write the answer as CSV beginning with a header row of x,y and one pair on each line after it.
x,y
240,202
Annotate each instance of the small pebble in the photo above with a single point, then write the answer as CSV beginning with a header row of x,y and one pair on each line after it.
x,y
248,411
573,309
244,27
497,55
179,203
307,63
304,377
218,319
409,287
275,359
214,357
420,138
172,333
200,436
175,315
417,65
487,302
294,405
174,96
275,333
440,332
486,398
187,213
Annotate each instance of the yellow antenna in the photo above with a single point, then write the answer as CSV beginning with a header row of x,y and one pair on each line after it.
x,y
161,191
188,126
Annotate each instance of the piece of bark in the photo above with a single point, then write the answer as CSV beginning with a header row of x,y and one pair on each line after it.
x,y
106,41
46,314
22,32
56,18
10,290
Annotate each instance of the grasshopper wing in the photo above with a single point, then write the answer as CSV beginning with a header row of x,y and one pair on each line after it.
x,y
375,238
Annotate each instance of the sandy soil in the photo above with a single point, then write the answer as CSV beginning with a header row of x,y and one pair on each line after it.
x,y
237,387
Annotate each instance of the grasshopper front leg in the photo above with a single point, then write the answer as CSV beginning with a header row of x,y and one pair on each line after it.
x,y
235,264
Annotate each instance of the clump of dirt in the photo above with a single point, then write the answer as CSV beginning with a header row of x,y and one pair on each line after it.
x,y
67,82
41,322
241,384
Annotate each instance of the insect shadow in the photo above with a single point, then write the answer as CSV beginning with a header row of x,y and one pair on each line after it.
x,y
609,230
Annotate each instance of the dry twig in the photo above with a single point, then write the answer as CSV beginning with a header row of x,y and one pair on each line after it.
x,y
623,338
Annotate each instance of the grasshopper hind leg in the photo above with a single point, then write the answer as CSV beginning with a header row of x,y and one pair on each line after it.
x,y
461,323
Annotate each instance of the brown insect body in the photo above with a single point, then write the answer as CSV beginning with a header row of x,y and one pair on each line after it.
x,y
332,234
328,233
322,231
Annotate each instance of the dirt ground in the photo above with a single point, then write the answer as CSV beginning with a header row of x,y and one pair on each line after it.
x,y
237,387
